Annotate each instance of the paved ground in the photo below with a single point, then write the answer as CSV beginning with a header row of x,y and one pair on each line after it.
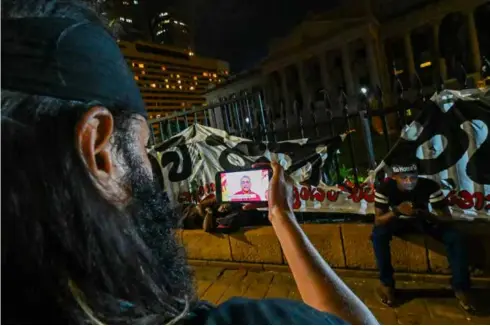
x,y
421,303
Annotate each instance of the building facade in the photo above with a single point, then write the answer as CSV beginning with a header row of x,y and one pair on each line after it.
x,y
171,79
169,30
390,44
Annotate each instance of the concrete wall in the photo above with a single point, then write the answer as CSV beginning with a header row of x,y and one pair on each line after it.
x,y
344,246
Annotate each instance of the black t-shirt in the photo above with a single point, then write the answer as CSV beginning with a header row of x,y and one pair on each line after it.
x,y
426,191
241,311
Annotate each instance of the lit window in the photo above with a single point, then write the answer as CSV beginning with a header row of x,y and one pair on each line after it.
x,y
219,80
180,86
210,79
158,116
173,86
214,75
172,75
153,85
191,54
178,81
133,64
136,78
166,86
205,74
196,83
151,117
163,68
191,88
141,65
166,80
143,72
166,21
195,77
178,76
183,103
226,72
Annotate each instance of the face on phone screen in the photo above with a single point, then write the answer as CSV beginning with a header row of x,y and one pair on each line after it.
x,y
244,186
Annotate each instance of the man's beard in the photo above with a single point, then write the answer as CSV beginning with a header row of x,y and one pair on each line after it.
x,y
156,222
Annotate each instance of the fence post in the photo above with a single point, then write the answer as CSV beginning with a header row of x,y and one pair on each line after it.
x,y
162,136
262,116
365,115
379,99
186,121
249,115
345,109
152,134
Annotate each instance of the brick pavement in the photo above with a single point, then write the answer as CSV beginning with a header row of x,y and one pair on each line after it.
x,y
421,303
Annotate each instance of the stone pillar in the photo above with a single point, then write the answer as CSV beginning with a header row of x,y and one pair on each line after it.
x,y
474,44
439,62
303,85
346,66
372,62
409,55
284,91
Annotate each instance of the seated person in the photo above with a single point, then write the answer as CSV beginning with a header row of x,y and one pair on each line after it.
x,y
87,235
401,205
246,191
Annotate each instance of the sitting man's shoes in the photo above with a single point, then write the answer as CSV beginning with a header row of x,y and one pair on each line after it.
x,y
386,294
465,301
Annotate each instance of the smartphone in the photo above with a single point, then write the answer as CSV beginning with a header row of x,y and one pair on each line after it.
x,y
246,186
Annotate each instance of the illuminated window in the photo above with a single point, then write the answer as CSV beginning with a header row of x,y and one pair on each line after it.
x,y
196,83
166,86
172,75
178,81
178,76
210,79
133,64
205,74
166,80
191,53
226,72
183,103
143,72
195,77
136,78
151,117
153,85
141,65
173,86
158,116
219,80
214,75
191,88
180,86
163,68
166,21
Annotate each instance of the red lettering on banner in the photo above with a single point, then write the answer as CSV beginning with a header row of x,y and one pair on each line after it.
x,y
318,195
466,200
296,202
304,193
333,195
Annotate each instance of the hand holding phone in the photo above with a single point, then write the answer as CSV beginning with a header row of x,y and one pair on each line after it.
x,y
247,186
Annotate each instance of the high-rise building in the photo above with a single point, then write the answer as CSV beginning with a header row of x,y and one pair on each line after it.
x,y
170,78
170,30
130,16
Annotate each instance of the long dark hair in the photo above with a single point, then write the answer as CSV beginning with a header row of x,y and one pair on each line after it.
x,y
68,254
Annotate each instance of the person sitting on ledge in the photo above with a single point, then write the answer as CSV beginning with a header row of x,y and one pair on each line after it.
x,y
88,237
401,206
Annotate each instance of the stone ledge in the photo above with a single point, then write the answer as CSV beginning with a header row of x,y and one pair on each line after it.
x,y
342,245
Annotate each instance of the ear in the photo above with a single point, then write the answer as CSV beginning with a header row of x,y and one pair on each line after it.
x,y
93,135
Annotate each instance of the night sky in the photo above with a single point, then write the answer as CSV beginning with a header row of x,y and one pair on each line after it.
x,y
239,31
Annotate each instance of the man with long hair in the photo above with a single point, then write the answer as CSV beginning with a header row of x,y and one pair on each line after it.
x,y
87,235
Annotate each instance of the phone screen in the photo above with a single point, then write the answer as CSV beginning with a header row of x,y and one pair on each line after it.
x,y
244,186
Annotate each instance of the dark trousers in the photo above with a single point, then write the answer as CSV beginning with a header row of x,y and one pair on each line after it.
x,y
452,240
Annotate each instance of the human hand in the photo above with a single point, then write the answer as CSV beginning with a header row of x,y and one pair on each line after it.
x,y
280,193
405,208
